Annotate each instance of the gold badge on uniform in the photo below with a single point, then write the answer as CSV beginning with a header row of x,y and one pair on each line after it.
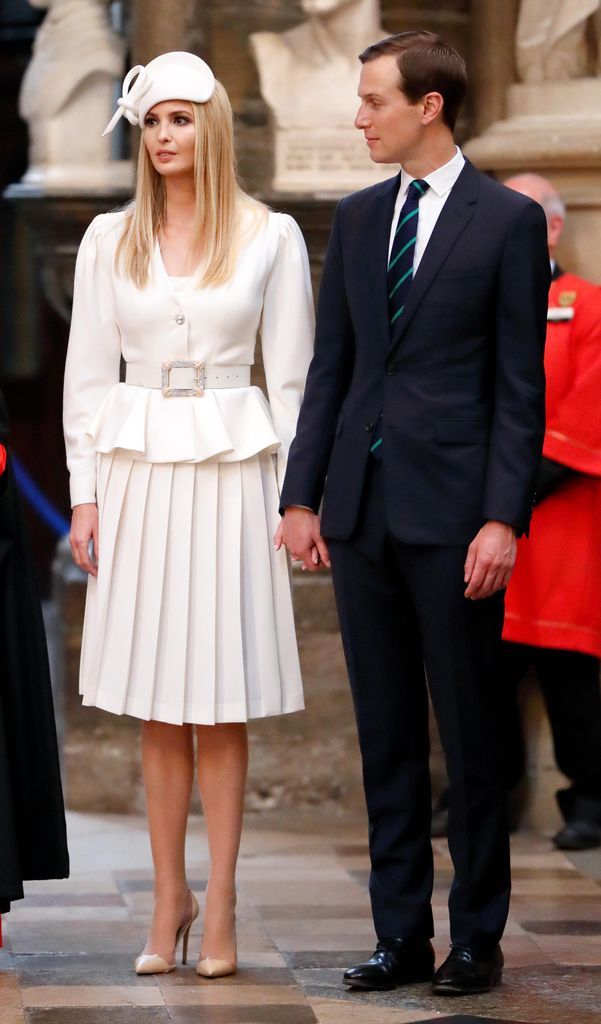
x,y
567,298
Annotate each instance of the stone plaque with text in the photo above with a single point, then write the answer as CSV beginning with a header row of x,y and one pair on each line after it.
x,y
333,162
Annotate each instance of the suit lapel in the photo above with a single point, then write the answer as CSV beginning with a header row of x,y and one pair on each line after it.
x,y
454,216
380,214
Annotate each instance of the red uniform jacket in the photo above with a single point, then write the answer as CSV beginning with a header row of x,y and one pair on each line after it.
x,y
554,597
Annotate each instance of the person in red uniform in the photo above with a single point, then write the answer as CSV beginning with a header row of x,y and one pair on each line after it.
x,y
553,602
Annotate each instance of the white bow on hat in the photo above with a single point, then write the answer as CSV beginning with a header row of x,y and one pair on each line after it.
x,y
129,101
170,76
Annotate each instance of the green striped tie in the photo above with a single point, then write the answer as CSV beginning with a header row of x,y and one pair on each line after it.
x,y
400,270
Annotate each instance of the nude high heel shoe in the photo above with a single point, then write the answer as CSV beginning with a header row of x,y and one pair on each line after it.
x,y
214,967
152,963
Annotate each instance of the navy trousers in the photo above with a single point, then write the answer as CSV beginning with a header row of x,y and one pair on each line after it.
x,y
406,627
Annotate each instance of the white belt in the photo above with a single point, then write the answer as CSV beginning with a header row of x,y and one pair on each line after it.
x,y
183,379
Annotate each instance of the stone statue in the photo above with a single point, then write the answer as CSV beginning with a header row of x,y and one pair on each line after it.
x,y
67,95
311,71
309,77
558,40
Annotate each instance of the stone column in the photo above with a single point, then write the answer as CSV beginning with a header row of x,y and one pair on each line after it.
x,y
492,62
158,26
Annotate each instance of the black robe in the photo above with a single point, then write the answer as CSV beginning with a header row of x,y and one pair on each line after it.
x,y
33,842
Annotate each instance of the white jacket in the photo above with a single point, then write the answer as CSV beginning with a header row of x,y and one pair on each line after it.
x,y
270,290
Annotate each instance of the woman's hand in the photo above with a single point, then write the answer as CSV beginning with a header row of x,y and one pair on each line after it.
x,y
299,532
84,527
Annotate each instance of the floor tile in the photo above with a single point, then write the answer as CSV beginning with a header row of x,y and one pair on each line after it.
x,y
278,1014
329,1012
103,1015
88,936
563,927
72,899
78,969
91,995
220,993
11,1015
247,975
10,992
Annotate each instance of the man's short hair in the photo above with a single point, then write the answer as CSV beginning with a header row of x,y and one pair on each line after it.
x,y
426,64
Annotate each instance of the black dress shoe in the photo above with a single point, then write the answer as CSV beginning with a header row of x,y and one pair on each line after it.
x,y
466,972
394,962
578,834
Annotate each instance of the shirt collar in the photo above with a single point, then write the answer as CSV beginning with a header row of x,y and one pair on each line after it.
x,y
442,179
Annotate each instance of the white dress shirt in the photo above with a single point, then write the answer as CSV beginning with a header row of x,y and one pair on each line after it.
x,y
441,182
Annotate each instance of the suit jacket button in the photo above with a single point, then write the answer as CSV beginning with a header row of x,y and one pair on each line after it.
x,y
391,369
369,426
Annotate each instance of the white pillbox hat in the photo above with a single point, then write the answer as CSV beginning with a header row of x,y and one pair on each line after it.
x,y
171,76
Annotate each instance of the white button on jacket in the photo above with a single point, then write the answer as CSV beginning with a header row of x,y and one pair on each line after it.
x,y
270,290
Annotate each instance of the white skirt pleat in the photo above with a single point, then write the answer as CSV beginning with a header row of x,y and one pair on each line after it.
x,y
190,617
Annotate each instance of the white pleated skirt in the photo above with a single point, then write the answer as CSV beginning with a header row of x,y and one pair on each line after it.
x,y
190,617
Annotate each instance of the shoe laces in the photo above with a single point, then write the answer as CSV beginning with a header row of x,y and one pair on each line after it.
x,y
462,953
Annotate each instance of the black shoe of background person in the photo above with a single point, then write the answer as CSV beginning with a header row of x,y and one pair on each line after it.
x,y
394,962
578,834
466,972
582,814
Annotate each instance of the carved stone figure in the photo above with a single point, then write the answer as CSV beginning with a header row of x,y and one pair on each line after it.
x,y
67,95
558,39
312,69
309,76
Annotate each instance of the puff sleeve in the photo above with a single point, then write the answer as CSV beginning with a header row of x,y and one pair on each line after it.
x,y
93,357
287,333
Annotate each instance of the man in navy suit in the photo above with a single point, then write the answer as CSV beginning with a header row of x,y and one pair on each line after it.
x,y
421,428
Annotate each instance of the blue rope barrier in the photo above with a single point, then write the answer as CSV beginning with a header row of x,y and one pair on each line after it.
x,y
37,499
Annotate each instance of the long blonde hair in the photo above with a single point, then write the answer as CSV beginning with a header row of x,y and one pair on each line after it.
x,y
220,201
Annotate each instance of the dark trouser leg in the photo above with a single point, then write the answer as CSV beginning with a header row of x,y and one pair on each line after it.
x,y
461,643
570,683
515,662
385,668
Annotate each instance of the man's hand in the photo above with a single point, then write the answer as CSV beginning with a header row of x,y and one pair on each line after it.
x,y
490,560
84,526
299,533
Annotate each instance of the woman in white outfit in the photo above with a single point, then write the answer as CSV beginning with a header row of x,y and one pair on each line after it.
x,y
174,477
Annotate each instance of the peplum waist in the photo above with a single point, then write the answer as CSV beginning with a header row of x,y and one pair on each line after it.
x,y
224,425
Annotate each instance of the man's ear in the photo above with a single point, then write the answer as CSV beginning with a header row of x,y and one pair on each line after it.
x,y
554,229
432,104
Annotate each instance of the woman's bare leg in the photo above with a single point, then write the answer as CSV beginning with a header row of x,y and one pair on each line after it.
x,y
222,769
168,766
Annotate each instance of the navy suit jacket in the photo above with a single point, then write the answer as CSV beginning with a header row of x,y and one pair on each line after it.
x,y
459,378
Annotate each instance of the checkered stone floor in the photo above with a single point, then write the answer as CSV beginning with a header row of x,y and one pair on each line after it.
x,y
303,915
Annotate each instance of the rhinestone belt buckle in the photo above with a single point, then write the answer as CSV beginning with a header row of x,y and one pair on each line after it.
x,y
198,388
